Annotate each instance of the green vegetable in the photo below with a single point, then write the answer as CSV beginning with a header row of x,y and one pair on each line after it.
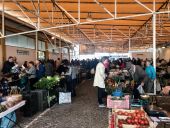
x,y
47,83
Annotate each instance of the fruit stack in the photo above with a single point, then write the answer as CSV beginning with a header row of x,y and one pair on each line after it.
x,y
132,119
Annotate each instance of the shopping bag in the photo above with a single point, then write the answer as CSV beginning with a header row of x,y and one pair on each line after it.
x,y
8,121
64,97
140,89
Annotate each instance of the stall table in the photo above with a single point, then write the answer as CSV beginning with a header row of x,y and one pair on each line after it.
x,y
12,109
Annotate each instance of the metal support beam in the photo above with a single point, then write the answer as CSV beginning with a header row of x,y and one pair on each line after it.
x,y
49,40
67,13
137,31
121,32
104,34
44,4
137,1
75,24
18,5
104,8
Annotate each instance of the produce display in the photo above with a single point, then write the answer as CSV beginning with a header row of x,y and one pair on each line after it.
x,y
3,108
47,83
130,119
114,83
12,100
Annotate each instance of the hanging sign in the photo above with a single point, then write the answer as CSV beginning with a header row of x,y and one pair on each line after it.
x,y
22,52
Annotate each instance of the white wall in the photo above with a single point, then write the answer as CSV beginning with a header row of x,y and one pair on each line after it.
x,y
12,51
142,55
163,53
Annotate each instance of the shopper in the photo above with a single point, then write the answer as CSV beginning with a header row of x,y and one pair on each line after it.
x,y
49,68
8,65
74,77
99,80
40,69
150,71
31,73
25,64
58,62
138,75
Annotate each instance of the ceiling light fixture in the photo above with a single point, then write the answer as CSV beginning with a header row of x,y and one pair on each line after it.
x,y
52,37
89,17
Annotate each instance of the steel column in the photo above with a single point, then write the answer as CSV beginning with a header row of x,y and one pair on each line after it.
x,y
154,42
38,12
36,45
129,40
3,19
60,49
115,8
79,11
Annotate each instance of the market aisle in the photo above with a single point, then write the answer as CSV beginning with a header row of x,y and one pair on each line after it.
x,y
82,113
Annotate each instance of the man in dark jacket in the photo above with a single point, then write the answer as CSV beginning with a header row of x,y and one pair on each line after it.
x,y
49,68
138,75
8,65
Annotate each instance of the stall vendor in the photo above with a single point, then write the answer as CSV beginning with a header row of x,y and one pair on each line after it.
x,y
138,75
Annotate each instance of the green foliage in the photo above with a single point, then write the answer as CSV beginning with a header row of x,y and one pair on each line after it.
x,y
47,83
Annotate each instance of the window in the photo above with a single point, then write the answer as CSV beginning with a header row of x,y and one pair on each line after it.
x,y
41,46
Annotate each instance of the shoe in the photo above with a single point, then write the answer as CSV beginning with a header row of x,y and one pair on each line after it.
x,y
102,106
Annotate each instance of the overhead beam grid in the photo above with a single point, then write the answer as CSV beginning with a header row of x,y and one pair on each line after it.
x,y
74,20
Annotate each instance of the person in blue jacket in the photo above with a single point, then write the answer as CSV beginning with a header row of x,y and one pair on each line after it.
x,y
151,73
40,69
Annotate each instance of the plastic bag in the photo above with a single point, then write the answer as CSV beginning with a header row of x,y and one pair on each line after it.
x,y
64,97
140,89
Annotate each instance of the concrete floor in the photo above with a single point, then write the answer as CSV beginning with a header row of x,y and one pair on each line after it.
x,y
82,113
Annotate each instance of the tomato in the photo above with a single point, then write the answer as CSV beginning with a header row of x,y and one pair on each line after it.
x,y
120,126
142,114
119,112
126,113
138,115
133,114
120,121
129,120
136,121
137,111
129,114
146,122
142,122
133,122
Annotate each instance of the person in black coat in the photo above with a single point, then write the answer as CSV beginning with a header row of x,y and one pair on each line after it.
x,y
8,65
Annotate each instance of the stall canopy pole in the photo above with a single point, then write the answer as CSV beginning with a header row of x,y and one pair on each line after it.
x,y
36,45
154,43
60,51
3,19
129,40
79,11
